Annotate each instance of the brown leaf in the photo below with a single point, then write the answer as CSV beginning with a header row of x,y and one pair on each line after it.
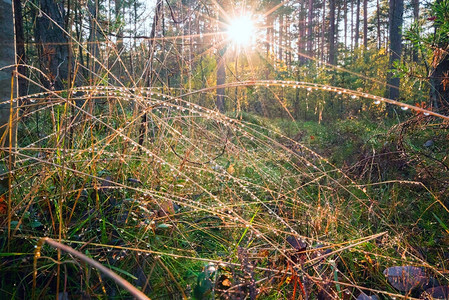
x,y
439,292
226,282
166,208
299,245
231,169
364,296
405,278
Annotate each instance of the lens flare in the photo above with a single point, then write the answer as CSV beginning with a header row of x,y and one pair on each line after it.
x,y
241,30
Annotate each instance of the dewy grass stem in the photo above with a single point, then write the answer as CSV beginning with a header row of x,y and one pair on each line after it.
x,y
118,279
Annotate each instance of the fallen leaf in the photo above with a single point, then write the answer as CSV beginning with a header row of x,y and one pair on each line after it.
x,y
167,208
299,245
405,278
364,296
231,169
226,282
439,292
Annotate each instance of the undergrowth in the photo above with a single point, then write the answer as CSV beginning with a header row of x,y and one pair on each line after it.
x,y
216,206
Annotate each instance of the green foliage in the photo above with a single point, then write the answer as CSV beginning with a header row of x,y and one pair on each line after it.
x,y
440,14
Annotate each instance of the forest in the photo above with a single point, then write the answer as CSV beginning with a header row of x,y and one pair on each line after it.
x,y
218,149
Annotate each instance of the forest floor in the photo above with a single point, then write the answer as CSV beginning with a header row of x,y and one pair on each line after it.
x,y
197,204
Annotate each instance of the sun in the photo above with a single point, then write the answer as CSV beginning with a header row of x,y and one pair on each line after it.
x,y
241,30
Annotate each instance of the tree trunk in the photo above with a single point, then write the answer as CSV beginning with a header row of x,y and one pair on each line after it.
x,y
119,18
79,35
332,55
365,24
288,45
301,33
6,59
439,76
269,34
440,90
323,32
415,4
92,46
52,43
357,25
281,37
118,22
20,48
396,13
352,25
379,36
345,22
310,28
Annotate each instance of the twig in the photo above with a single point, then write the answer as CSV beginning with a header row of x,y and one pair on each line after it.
x,y
119,280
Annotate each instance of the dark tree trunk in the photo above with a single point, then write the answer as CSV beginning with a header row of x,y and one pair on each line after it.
x,y
6,59
345,21
415,4
352,25
6,51
20,48
332,55
337,32
301,32
379,36
439,76
92,47
440,88
357,25
79,35
118,21
365,23
323,32
52,43
395,25
310,28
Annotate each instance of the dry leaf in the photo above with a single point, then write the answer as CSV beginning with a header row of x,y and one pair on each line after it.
x,y
405,278
231,169
439,292
226,282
